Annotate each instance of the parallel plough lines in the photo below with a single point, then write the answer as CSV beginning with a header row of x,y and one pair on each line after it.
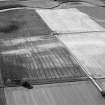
x,y
39,60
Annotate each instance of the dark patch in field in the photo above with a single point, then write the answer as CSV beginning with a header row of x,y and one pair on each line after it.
x,y
11,26
22,22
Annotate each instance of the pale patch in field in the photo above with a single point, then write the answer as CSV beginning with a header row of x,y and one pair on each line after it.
x,y
16,41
